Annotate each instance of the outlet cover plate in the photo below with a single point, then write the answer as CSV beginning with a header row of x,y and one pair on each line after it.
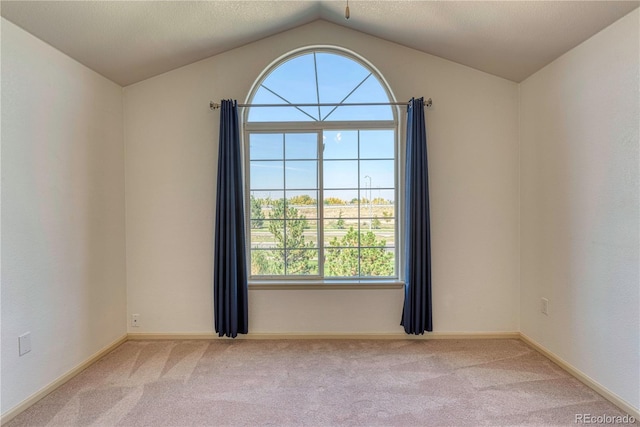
x,y
24,343
544,306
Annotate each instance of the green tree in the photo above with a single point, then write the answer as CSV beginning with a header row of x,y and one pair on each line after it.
x,y
374,259
334,201
341,257
291,251
340,221
303,199
376,222
262,263
257,217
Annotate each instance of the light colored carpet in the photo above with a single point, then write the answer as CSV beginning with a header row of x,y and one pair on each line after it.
x,y
319,383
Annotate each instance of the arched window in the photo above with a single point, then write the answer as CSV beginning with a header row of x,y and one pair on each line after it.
x,y
321,172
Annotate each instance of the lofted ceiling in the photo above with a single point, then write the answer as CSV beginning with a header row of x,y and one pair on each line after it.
x,y
129,41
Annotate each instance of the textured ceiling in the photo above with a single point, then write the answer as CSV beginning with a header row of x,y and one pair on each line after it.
x,y
129,41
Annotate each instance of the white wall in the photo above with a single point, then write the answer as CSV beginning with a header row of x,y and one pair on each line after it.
x,y
171,162
63,265
580,207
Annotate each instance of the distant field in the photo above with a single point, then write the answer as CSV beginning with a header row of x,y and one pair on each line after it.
x,y
349,213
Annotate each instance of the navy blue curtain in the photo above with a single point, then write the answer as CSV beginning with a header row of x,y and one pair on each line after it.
x,y
416,315
230,263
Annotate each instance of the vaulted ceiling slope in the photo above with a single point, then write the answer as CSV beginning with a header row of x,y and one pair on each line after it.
x,y
129,41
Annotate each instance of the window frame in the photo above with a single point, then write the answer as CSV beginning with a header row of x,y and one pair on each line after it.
x,y
319,281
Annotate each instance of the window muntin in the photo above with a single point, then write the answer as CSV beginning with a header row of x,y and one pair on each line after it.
x,y
322,195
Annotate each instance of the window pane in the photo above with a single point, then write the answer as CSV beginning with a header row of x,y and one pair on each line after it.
x,y
337,76
341,262
340,174
275,114
274,205
264,146
302,174
340,144
383,198
266,198
383,231
387,224
267,262
377,262
377,144
382,226
306,202
300,233
267,235
294,80
341,233
374,233
302,261
267,175
370,91
277,209
381,204
310,233
381,173
346,113
301,145
341,203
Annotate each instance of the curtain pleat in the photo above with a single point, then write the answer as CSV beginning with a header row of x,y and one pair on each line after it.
x,y
230,264
416,315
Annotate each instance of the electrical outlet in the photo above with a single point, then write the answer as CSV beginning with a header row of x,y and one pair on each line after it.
x,y
135,320
544,306
24,344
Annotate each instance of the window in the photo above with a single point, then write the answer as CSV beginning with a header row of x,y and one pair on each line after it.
x,y
321,179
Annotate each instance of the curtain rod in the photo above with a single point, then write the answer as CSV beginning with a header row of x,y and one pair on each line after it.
x,y
428,104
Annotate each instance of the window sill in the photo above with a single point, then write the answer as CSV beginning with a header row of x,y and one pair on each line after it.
x,y
315,285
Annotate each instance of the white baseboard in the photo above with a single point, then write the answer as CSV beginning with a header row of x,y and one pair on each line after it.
x,y
584,378
328,335
13,412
